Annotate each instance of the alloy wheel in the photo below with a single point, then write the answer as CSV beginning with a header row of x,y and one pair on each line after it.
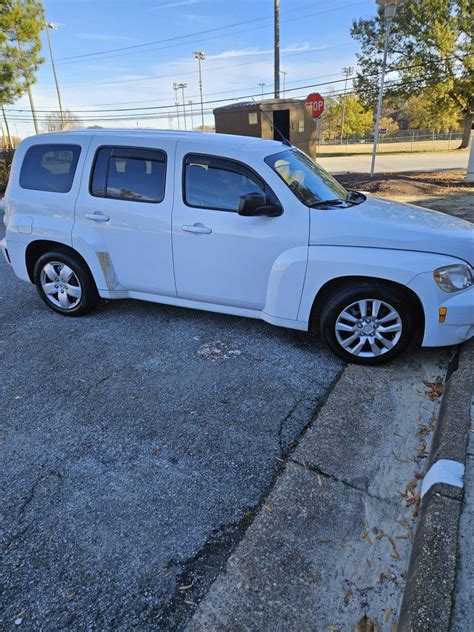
x,y
60,285
368,328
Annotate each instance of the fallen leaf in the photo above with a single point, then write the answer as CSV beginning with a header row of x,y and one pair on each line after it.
x,y
347,596
367,625
187,587
70,596
268,508
387,615
189,602
324,541
320,480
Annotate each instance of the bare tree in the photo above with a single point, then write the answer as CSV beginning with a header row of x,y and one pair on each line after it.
x,y
53,122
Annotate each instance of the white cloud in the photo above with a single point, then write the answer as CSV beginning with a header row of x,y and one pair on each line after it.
x,y
104,37
175,3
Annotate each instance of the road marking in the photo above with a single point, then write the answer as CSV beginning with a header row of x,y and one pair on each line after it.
x,y
443,471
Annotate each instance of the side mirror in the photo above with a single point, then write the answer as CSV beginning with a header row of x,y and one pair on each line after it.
x,y
255,204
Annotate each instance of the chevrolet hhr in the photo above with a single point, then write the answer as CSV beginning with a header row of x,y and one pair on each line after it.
x,y
236,225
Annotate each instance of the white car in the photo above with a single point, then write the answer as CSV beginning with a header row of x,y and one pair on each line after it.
x,y
235,225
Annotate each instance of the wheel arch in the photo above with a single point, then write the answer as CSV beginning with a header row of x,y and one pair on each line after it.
x,y
340,283
39,247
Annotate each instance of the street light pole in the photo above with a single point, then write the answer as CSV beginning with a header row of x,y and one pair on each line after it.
x,y
347,71
183,86
51,25
261,84
200,56
190,103
390,7
176,88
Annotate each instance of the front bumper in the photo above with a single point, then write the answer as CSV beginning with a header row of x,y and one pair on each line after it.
x,y
459,324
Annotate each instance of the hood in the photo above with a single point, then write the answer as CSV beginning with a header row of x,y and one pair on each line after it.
x,y
377,223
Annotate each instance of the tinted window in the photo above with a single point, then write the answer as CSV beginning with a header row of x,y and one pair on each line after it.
x,y
129,174
49,167
216,183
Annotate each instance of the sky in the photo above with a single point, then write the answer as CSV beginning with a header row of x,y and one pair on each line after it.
x,y
114,57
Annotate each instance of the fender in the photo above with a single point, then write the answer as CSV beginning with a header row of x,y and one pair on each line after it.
x,y
326,263
285,285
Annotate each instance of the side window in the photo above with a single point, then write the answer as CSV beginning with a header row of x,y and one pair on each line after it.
x,y
217,183
127,173
49,167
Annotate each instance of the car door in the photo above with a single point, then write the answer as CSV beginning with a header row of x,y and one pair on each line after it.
x,y
123,214
221,257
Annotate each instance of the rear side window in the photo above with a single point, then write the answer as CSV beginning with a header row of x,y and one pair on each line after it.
x,y
49,167
217,183
127,173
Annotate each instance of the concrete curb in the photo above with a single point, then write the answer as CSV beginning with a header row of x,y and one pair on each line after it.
x,y
428,597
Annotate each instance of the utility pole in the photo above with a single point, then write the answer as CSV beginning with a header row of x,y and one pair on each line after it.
x,y
390,7
182,86
10,142
347,72
51,25
276,63
176,88
200,56
190,103
284,73
261,86
28,88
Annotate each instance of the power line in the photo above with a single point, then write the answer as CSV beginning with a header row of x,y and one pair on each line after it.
x,y
168,106
170,112
101,55
193,72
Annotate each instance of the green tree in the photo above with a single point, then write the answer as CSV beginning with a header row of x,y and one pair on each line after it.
x,y
21,22
430,47
358,120
431,109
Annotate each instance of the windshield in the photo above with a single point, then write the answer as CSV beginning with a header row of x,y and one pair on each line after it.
x,y
309,182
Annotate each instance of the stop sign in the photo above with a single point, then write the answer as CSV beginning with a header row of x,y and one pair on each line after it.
x,y
315,102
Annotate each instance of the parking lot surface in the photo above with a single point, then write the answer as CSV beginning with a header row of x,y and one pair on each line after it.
x,y
136,444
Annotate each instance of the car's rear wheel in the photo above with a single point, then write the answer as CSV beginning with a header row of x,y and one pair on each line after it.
x,y
368,324
65,283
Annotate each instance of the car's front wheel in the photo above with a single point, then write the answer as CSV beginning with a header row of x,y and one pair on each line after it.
x,y
368,324
65,283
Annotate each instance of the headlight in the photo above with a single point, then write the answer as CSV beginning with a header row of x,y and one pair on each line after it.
x,y
453,278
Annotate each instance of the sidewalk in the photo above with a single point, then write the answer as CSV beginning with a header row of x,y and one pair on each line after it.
x,y
430,161
330,546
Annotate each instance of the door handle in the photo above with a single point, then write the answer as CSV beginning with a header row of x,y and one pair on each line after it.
x,y
97,216
197,228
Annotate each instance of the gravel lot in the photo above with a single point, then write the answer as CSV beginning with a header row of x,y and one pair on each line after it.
x,y
136,446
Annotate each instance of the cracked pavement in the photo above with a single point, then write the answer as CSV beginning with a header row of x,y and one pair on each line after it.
x,y
132,462
330,547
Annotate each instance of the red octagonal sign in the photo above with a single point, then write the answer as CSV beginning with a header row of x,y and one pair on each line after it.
x,y
315,102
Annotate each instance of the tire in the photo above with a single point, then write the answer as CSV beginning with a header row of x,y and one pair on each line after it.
x,y
65,283
366,340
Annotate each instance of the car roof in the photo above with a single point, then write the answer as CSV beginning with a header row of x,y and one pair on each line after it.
x,y
210,139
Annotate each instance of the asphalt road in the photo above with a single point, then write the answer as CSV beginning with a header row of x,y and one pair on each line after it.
x,y
393,163
136,445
